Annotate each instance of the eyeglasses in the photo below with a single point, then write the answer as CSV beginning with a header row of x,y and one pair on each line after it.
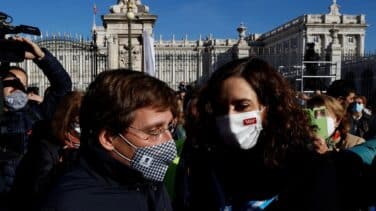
x,y
155,133
320,112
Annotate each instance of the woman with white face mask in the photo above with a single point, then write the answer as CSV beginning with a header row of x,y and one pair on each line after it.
x,y
338,136
251,146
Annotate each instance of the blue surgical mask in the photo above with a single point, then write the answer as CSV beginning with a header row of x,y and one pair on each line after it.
x,y
358,107
16,100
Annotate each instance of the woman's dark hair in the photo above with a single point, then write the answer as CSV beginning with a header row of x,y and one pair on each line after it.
x,y
66,113
286,126
114,95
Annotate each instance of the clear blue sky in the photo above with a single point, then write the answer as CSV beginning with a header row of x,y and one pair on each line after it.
x,y
181,17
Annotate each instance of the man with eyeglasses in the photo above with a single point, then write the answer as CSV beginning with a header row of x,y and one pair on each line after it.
x,y
126,121
19,115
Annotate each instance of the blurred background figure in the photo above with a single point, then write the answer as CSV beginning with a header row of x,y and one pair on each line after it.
x,y
53,151
343,91
361,119
336,125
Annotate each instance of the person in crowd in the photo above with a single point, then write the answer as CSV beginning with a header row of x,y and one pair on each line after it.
x,y
126,146
361,122
53,151
343,91
351,155
179,136
363,100
337,136
19,115
252,146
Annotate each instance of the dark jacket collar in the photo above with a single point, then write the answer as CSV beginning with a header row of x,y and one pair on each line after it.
x,y
94,158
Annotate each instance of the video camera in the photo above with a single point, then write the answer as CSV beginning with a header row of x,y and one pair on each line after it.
x,y
11,50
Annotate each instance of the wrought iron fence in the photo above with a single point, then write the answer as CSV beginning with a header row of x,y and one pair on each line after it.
x,y
361,72
79,57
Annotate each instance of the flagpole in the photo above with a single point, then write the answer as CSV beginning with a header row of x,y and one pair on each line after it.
x,y
94,16
130,17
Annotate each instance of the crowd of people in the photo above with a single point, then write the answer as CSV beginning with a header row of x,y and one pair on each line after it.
x,y
241,140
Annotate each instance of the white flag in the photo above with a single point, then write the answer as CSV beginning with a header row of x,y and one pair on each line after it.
x,y
149,54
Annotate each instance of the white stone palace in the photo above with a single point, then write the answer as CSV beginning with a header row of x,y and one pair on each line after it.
x,y
333,34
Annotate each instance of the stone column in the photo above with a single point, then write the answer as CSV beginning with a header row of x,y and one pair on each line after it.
x,y
361,45
335,55
241,49
113,53
116,25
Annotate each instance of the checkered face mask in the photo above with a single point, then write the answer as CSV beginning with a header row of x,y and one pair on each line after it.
x,y
151,161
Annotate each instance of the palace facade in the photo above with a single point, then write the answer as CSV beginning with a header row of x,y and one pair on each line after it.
x,y
332,34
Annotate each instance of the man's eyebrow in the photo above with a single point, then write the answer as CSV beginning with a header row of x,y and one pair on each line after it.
x,y
156,124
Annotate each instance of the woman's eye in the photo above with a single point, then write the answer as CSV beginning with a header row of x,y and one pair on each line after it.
x,y
241,107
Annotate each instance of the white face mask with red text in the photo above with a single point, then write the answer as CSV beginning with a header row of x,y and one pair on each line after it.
x,y
241,129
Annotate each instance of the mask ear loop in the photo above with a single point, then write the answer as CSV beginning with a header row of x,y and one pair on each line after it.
x,y
122,156
129,143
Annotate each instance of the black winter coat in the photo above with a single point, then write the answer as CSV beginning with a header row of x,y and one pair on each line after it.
x,y
213,178
102,184
41,166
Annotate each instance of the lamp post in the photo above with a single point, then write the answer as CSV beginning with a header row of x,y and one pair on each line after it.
x,y
130,17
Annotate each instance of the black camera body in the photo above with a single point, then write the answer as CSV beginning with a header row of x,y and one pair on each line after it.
x,y
11,50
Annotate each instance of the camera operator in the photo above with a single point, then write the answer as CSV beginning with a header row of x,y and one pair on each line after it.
x,y
18,114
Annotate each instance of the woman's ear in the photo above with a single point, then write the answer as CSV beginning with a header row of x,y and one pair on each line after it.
x,y
106,139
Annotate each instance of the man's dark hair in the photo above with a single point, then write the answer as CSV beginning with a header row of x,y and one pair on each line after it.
x,y
114,95
340,88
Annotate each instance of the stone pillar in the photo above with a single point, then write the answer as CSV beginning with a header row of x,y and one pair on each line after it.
x,y
361,45
116,26
241,49
113,55
335,50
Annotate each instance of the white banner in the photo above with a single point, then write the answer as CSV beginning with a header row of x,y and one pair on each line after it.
x,y
149,54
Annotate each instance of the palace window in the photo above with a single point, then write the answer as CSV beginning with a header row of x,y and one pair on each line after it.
x,y
279,47
286,46
350,39
316,38
294,43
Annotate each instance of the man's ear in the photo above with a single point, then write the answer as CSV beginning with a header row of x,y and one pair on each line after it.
x,y
106,139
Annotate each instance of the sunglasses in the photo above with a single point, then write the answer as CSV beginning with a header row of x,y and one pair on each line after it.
x,y
15,83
